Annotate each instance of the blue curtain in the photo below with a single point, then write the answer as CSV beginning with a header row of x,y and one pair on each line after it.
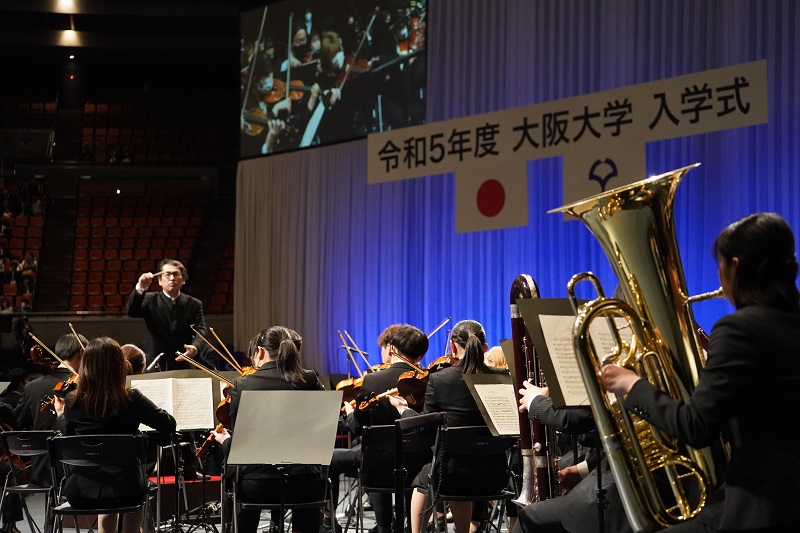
x,y
319,250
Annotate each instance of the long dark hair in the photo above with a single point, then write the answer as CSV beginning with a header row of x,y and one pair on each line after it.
x,y
101,391
470,335
767,269
283,346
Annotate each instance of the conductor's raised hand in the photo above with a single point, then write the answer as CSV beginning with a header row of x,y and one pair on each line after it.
x,y
145,280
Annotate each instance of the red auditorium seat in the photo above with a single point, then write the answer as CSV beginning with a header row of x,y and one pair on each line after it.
x,y
97,266
114,265
78,288
10,289
80,265
77,303
94,288
97,277
126,251
110,288
97,303
79,277
111,253
82,232
113,277
82,222
114,302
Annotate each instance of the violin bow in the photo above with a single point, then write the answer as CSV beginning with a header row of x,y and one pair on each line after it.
x,y
440,326
253,61
231,361
350,356
357,349
76,336
203,368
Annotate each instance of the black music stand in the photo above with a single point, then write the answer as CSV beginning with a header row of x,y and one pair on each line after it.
x,y
307,420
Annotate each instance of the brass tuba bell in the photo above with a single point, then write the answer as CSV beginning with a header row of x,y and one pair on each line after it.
x,y
661,482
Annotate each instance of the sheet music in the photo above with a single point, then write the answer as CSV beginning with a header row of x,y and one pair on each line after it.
x,y
557,331
189,400
501,406
193,402
158,391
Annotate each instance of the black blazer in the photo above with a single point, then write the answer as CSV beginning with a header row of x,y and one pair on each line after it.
x,y
28,415
168,330
382,412
447,393
748,390
266,377
103,484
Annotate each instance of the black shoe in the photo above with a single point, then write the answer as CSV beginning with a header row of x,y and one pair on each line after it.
x,y
327,528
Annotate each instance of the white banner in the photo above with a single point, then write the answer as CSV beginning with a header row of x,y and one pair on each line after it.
x,y
601,135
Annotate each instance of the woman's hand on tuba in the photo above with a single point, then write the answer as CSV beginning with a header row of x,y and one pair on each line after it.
x,y
617,379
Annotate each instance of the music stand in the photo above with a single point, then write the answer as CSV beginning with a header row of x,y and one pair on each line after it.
x,y
308,422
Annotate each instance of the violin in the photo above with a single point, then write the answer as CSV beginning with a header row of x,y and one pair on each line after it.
x,y
411,385
24,469
442,362
349,388
278,91
65,387
39,357
203,449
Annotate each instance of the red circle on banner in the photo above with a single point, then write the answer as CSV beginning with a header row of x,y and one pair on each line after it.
x,y
491,198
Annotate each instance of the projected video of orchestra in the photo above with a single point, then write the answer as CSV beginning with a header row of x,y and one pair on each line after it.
x,y
352,68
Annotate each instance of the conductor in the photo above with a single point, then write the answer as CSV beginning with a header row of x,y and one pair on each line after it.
x,y
168,315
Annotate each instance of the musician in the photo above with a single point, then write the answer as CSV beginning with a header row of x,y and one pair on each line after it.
x,y
169,315
134,358
278,363
495,357
447,393
300,48
102,404
405,345
575,512
28,412
753,349
17,378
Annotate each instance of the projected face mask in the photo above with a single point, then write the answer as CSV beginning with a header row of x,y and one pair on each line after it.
x,y
338,60
265,84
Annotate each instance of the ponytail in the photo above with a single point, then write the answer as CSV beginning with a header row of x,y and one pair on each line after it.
x,y
470,335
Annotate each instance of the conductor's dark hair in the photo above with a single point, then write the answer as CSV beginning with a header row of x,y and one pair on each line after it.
x,y
767,268
469,334
175,263
283,346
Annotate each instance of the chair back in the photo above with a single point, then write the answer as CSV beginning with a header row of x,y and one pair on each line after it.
x,y
26,443
379,448
18,444
470,461
96,450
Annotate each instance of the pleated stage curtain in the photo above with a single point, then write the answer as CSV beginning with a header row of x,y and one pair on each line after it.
x,y
320,250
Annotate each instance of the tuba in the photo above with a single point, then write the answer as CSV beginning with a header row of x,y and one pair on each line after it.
x,y
661,482
537,443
